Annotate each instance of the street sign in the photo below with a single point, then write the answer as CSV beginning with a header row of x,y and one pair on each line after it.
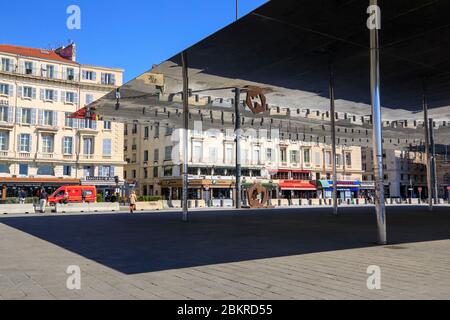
x,y
420,189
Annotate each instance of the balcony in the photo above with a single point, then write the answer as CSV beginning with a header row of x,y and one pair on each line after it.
x,y
42,73
45,155
87,156
5,154
24,155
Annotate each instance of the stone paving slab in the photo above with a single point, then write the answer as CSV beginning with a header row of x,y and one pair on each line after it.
x,y
268,254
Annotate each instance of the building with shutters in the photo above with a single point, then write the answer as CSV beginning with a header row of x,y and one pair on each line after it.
x,y
39,146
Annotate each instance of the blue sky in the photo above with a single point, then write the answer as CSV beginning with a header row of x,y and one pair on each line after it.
x,y
131,34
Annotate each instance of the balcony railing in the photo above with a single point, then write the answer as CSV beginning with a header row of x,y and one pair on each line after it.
x,y
55,75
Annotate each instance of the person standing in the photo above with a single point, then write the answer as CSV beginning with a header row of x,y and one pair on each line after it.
x,y
83,195
22,196
133,200
43,200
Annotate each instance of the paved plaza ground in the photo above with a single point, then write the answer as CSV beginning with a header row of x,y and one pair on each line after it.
x,y
302,253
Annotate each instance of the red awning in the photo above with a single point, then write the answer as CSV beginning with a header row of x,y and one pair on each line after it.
x,y
84,113
297,185
287,171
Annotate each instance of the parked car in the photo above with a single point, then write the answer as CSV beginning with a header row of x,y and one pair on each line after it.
x,y
73,194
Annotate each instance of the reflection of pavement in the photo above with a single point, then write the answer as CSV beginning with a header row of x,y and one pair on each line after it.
x,y
274,253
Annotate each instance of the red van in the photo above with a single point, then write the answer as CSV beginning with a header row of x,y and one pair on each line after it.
x,y
74,194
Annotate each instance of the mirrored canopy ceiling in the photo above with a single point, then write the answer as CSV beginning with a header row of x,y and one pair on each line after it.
x,y
285,48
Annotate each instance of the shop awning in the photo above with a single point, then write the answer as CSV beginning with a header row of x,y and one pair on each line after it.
x,y
297,185
325,184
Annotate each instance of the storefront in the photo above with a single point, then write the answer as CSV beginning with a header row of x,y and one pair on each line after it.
x,y
367,190
108,187
199,189
346,190
10,187
297,189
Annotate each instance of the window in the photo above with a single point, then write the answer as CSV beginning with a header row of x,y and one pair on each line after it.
x,y
6,65
213,154
28,93
294,156
49,71
67,171
197,154
145,173
89,75
24,115
68,145
4,168
348,159
256,155
48,118
28,67
45,171
89,99
88,124
107,147
283,155
47,143
135,128
49,95
88,146
108,79
168,153
125,174
69,122
317,158
338,160
134,174
88,171
156,155
146,155
169,131
107,125
155,172
70,97
168,171
24,142
4,141
328,158
4,113
146,132
229,154
156,131
70,73
5,89
23,169
125,129
106,171
307,156
269,155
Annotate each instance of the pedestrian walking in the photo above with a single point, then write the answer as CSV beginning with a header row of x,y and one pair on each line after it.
x,y
43,200
133,200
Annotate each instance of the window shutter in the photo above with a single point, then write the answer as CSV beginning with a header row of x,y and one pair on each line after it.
x,y
94,76
31,143
75,123
113,78
82,123
55,95
103,78
10,114
112,172
33,94
84,74
11,90
42,94
20,91
33,116
75,98
55,118
18,143
22,67
63,96
64,73
34,68
40,117
18,115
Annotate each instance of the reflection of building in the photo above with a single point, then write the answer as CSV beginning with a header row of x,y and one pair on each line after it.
x,y
290,169
404,172
443,175
39,146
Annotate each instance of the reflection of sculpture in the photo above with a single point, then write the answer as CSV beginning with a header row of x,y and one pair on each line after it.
x,y
256,107
253,193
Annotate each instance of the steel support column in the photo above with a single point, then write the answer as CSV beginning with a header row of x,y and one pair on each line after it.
x,y
333,135
427,145
377,132
237,129
185,135
433,163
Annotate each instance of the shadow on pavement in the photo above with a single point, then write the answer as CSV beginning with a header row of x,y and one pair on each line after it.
x,y
160,241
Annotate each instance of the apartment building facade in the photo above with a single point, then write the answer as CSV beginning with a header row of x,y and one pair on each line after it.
x,y
39,145
289,168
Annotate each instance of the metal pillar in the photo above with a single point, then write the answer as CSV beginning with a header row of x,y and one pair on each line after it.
x,y
377,135
333,136
433,163
185,135
427,145
237,128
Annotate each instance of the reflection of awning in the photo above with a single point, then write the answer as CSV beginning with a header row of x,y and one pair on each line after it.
x,y
287,171
84,113
324,184
38,182
297,185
